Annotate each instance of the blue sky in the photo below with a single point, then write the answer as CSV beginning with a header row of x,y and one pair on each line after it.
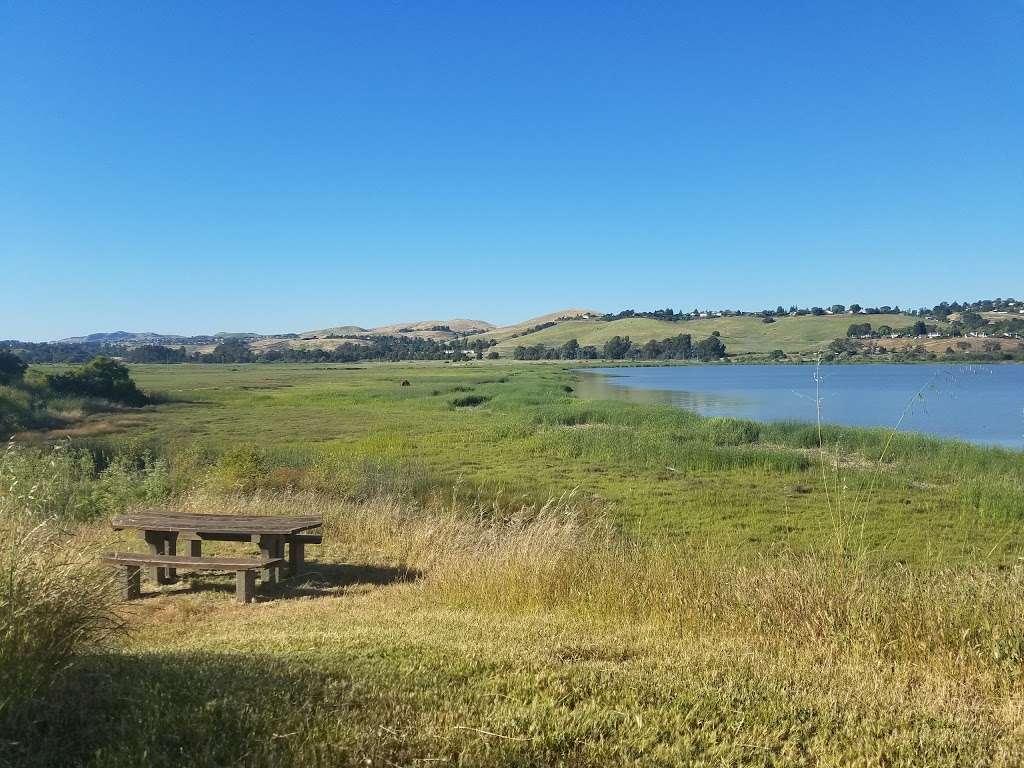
x,y
198,167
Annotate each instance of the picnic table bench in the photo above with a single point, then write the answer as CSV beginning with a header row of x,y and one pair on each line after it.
x,y
162,531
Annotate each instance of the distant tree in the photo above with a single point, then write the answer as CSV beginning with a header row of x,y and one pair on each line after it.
x,y
617,347
817,311
855,308
230,351
844,346
919,328
12,367
838,309
104,378
972,320
776,354
492,355
156,353
779,310
710,348
858,330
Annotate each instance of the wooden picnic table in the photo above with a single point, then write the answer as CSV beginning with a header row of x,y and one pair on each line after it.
x,y
162,530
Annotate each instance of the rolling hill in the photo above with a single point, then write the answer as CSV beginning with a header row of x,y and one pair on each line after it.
x,y
804,333
741,334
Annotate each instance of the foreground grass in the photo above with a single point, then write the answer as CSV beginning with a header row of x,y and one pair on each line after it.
x,y
481,636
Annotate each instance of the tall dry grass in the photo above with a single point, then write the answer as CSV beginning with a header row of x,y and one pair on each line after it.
x,y
56,600
560,558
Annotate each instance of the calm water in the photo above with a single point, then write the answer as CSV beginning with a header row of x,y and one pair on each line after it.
x,y
983,404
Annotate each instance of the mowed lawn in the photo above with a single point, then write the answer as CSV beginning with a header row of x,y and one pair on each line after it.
x,y
740,334
514,432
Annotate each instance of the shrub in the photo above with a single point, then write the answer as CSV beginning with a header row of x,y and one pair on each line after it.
x,y
104,378
242,469
12,367
469,401
65,483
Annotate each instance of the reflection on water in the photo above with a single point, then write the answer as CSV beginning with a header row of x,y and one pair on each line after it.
x,y
598,386
983,404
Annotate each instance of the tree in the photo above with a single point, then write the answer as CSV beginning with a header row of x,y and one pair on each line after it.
x,y
838,309
972,320
710,348
844,346
776,354
156,353
855,308
103,378
232,350
617,347
858,330
12,367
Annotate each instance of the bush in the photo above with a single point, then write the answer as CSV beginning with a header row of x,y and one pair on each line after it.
x,y
242,469
104,378
12,367
469,401
66,484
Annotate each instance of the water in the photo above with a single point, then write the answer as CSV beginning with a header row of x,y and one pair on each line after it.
x,y
980,403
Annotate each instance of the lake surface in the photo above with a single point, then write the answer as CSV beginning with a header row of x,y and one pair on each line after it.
x,y
980,403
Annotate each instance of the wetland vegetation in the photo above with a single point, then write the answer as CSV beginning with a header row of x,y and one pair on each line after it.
x,y
513,575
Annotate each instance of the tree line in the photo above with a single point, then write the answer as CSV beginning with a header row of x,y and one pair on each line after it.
x,y
679,347
364,348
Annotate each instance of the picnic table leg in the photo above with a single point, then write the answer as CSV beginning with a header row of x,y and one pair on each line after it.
x,y
132,581
245,586
157,541
171,548
296,555
270,546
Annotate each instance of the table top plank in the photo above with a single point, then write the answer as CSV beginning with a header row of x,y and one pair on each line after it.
x,y
201,523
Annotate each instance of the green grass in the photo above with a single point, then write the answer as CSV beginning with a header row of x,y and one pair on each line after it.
x,y
702,591
740,334
513,431
450,634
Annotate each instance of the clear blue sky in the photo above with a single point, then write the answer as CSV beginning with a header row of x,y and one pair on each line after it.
x,y
198,167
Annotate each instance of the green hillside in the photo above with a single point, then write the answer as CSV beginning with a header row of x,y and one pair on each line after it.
x,y
741,334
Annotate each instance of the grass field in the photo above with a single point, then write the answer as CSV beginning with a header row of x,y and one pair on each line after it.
x,y
654,469
706,592
740,334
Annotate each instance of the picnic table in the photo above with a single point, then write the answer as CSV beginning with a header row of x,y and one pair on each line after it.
x,y
271,533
